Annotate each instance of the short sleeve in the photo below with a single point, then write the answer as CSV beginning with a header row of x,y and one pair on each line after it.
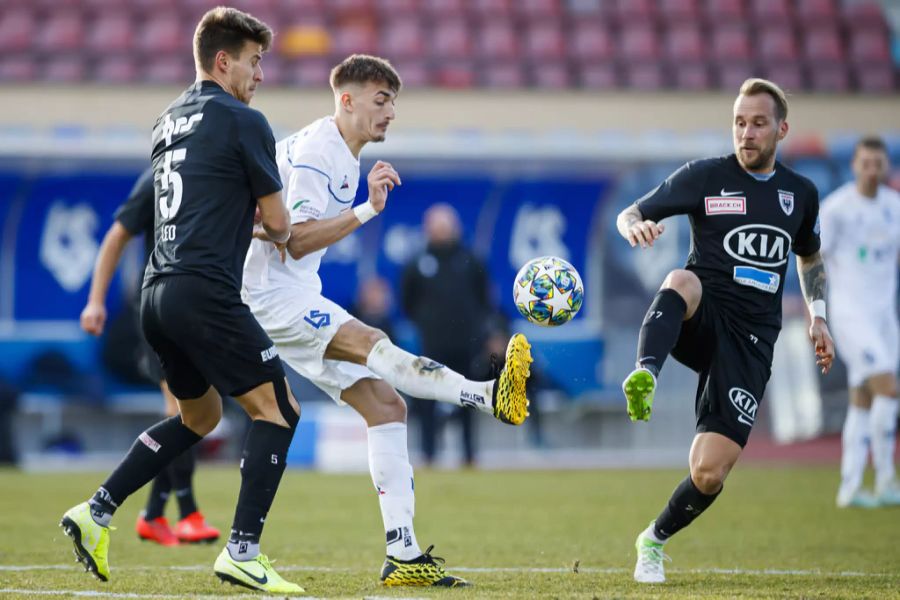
x,y
807,241
679,194
307,192
136,214
257,144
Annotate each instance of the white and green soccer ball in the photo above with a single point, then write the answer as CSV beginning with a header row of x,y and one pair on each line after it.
x,y
548,291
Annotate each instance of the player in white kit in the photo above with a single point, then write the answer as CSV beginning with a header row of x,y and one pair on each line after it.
x,y
353,363
861,245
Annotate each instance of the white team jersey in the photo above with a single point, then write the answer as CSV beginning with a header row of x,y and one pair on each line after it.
x,y
320,176
861,244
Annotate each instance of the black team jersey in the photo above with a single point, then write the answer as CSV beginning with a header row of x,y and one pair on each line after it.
x,y
136,214
741,231
212,158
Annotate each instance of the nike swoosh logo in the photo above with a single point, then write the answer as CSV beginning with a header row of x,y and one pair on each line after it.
x,y
260,580
726,194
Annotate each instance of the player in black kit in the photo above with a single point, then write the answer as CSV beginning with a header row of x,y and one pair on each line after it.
x,y
721,314
136,217
214,164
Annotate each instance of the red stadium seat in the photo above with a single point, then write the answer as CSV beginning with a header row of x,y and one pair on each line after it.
x,y
61,31
163,34
444,9
578,9
691,76
829,78
498,40
65,69
876,79
679,10
787,75
730,42
274,71
538,9
490,9
864,13
503,75
451,38
723,11
414,73
111,32
731,75
823,43
402,38
17,69
636,11
355,9
590,40
598,77
308,72
455,75
551,75
869,46
769,12
115,70
292,10
17,30
545,41
684,42
776,43
391,9
646,77
171,70
816,11
639,43
354,37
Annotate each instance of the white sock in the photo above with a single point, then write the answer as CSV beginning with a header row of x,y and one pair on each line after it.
x,y
883,418
854,449
421,377
650,533
393,478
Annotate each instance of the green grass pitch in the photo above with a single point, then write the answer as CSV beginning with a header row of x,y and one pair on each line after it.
x,y
774,533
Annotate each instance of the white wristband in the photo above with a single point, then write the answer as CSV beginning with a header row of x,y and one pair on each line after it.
x,y
817,309
365,212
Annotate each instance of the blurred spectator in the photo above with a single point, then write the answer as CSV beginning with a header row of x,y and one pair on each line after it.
x,y
373,304
444,292
8,400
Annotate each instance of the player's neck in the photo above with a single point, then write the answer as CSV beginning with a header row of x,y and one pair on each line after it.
x,y
203,76
354,143
866,191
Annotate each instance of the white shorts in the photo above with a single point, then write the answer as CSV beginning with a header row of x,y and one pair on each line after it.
x,y
868,346
302,326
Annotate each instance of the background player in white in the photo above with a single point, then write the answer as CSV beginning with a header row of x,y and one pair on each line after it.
x,y
352,362
861,246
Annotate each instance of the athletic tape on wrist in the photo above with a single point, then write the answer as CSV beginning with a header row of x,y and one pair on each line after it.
x,y
817,309
365,212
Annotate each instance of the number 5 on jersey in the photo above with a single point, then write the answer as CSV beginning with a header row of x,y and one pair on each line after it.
x,y
172,189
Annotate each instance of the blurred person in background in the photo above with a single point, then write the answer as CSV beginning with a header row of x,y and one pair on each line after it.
x,y
373,304
861,247
356,364
133,218
213,160
445,292
721,315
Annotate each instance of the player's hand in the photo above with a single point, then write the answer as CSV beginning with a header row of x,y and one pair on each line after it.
x,y
382,179
93,318
644,233
282,250
259,233
821,339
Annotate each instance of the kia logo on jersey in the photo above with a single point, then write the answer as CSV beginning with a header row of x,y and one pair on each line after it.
x,y
759,245
745,404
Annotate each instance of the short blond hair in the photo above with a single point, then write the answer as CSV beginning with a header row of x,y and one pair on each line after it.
x,y
755,85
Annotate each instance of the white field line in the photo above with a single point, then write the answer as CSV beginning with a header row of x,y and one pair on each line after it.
x,y
610,571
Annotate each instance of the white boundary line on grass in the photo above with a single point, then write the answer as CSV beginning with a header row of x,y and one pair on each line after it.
x,y
610,571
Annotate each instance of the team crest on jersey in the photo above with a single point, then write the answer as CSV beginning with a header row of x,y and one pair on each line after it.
x,y
346,183
786,200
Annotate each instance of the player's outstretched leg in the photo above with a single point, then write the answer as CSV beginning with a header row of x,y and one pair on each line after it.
x,y
88,523
424,378
854,455
262,465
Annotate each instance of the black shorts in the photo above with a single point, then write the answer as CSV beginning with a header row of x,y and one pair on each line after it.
x,y
205,335
734,364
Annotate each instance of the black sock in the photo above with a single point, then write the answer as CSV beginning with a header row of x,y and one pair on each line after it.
x,y
262,465
660,329
151,452
685,505
159,493
181,472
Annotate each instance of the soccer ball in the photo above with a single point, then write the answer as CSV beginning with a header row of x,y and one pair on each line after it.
x,y
548,291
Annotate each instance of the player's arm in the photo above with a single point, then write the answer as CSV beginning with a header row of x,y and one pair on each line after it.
x,y
636,229
274,219
315,234
813,284
93,317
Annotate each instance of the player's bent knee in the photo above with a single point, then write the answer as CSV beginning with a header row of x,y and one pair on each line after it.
x,y
202,423
708,480
393,408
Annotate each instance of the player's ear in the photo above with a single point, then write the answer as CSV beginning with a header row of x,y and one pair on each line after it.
x,y
222,60
346,100
782,130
